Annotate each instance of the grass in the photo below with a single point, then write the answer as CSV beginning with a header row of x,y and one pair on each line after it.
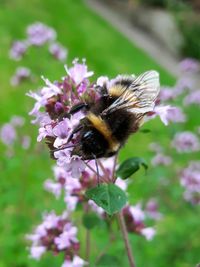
x,y
22,196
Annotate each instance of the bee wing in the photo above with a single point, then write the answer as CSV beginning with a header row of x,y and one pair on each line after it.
x,y
139,96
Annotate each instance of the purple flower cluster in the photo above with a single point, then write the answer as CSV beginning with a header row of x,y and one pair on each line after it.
x,y
21,74
10,133
186,142
56,234
38,34
134,217
190,180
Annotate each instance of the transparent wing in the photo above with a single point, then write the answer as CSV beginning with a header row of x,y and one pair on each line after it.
x,y
139,96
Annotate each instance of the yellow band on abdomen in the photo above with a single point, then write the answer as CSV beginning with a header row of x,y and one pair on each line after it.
x,y
100,125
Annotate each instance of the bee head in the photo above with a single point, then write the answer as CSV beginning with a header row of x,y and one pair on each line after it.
x,y
91,143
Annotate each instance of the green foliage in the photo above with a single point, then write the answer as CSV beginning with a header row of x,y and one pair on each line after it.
x,y
130,166
189,24
108,260
108,196
90,220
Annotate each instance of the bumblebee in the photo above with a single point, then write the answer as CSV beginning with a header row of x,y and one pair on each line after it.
x,y
118,113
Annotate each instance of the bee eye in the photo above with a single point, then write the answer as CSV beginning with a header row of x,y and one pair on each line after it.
x,y
87,135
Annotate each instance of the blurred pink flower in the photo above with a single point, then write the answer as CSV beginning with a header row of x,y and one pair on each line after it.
x,y
148,233
186,142
21,74
58,51
160,159
36,252
18,49
189,65
76,262
192,98
8,134
39,34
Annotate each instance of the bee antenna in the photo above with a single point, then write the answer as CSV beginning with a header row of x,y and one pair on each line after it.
x,y
62,148
97,168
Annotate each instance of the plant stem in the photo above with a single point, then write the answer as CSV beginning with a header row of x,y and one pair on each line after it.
x,y
125,237
87,238
87,250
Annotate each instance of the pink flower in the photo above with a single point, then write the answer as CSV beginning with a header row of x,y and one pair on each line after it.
x,y
186,142
161,159
76,262
190,180
167,94
37,252
67,237
21,74
71,202
45,131
148,233
18,49
61,131
189,65
8,134
58,51
52,187
26,140
152,210
17,120
76,167
78,72
192,98
39,34
137,213
168,113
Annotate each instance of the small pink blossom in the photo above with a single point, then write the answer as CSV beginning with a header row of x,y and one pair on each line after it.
x,y
160,159
186,142
61,131
37,252
168,113
192,98
58,51
78,72
189,65
45,131
137,213
21,74
148,233
76,262
67,237
18,49
53,187
71,202
26,140
8,134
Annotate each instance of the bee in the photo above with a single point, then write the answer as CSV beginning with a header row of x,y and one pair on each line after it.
x,y
117,114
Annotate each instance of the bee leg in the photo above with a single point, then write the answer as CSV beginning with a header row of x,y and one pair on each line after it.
x,y
97,168
76,108
76,130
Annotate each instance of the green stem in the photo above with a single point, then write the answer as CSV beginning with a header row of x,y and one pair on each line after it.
x,y
125,237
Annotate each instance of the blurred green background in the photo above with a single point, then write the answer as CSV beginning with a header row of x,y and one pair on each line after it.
x,y
22,198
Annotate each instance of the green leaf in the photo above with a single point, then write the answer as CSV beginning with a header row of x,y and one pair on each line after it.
x,y
108,196
130,166
90,220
